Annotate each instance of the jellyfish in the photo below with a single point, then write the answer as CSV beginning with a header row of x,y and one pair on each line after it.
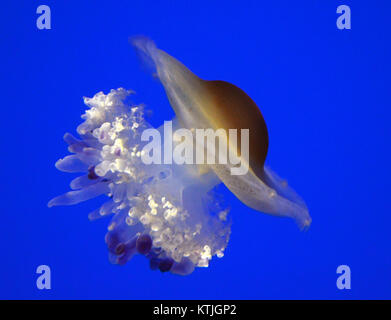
x,y
172,213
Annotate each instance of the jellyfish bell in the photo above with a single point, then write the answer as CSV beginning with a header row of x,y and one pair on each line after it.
x,y
215,104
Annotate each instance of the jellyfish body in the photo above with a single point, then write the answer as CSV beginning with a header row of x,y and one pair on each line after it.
x,y
173,214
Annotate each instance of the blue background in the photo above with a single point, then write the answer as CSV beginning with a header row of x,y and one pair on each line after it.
x,y
325,95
